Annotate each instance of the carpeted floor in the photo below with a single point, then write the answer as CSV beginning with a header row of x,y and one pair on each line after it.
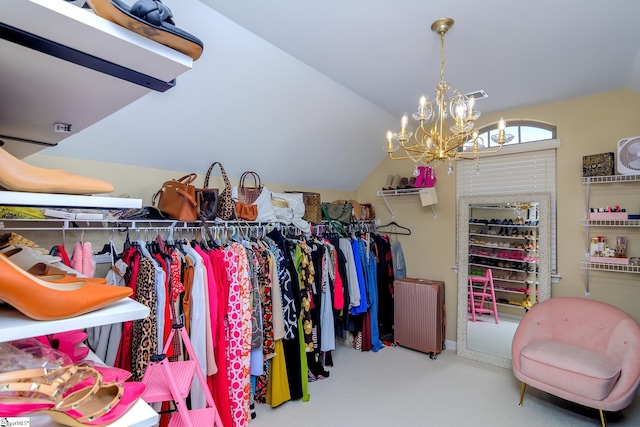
x,y
398,387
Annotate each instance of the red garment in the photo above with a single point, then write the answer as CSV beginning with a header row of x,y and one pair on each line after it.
x,y
124,355
338,291
60,251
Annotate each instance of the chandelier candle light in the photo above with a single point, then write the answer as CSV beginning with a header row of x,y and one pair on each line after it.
x,y
431,139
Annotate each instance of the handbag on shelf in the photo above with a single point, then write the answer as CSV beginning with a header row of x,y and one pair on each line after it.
x,y
246,193
340,212
356,209
177,198
246,211
368,212
207,199
312,210
226,206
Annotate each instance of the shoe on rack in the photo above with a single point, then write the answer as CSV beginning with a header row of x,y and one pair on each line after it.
x,y
16,175
151,19
396,182
389,185
42,300
45,267
421,177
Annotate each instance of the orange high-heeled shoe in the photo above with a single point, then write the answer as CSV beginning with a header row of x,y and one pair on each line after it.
x,y
17,175
61,279
42,300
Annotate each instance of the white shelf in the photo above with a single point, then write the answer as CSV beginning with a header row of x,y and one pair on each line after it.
x,y
609,179
140,415
602,266
14,325
18,198
403,192
611,222
399,192
39,88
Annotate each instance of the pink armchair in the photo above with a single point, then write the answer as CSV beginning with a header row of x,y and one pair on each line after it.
x,y
581,350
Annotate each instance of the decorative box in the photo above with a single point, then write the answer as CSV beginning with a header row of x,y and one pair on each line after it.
x,y
612,216
609,260
598,165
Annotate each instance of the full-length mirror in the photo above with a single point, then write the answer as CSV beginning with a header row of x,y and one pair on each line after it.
x,y
504,247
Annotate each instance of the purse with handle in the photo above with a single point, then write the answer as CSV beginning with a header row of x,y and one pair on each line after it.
x,y
337,211
312,210
177,198
249,194
226,209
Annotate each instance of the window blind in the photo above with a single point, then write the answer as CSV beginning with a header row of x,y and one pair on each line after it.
x,y
520,172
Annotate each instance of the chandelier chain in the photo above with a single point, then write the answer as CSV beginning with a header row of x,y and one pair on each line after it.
x,y
442,56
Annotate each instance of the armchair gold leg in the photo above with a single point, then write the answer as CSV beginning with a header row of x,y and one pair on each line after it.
x,y
603,421
522,393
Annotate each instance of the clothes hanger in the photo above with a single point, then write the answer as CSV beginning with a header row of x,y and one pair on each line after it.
x,y
396,229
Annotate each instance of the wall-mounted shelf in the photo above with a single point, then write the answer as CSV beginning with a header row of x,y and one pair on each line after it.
x,y
611,222
17,198
610,178
588,223
14,325
62,63
403,192
602,266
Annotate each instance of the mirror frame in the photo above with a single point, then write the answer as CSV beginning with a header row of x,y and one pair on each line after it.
x,y
544,266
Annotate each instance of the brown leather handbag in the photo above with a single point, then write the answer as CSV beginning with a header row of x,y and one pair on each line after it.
x,y
246,211
177,199
226,209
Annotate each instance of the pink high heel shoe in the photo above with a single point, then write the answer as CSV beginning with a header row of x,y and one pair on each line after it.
x,y
420,179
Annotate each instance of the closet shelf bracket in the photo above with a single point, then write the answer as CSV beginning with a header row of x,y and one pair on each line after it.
x,y
403,192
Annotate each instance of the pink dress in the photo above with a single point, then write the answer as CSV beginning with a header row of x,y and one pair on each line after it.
x,y
239,315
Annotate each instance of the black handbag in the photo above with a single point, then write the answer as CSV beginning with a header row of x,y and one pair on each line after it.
x,y
207,199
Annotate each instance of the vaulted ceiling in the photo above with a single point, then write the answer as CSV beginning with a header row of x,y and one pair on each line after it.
x,y
303,92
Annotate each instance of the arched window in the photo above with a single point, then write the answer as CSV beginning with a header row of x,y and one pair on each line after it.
x,y
523,131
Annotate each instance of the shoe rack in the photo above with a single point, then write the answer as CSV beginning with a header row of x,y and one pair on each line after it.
x,y
622,187
14,325
508,245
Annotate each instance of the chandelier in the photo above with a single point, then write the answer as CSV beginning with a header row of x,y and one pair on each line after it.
x,y
432,140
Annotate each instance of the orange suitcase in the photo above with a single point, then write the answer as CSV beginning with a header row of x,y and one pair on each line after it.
x,y
419,315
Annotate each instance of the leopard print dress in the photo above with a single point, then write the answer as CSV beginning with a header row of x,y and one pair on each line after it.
x,y
144,336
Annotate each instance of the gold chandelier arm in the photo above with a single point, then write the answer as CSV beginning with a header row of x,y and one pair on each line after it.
x,y
427,158
462,155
